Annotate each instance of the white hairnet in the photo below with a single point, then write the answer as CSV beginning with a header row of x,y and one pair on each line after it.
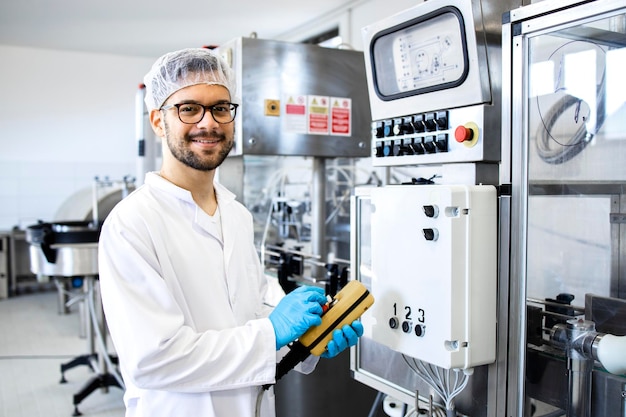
x,y
180,69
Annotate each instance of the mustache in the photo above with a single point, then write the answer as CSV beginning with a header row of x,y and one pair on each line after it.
x,y
207,136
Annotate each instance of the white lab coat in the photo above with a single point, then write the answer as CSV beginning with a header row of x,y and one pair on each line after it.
x,y
186,310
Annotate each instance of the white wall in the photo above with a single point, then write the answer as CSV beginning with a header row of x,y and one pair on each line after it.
x,y
350,19
65,118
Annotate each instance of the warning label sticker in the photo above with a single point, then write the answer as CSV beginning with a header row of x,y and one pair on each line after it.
x,y
340,116
318,115
295,120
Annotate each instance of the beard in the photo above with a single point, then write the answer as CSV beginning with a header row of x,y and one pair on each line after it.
x,y
205,161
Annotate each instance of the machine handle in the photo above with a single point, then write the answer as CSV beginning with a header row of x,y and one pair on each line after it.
x,y
610,353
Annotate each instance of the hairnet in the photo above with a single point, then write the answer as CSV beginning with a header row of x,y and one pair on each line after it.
x,y
180,69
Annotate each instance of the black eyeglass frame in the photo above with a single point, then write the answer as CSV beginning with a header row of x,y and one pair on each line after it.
x,y
211,108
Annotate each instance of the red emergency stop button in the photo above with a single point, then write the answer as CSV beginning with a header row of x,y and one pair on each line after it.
x,y
462,134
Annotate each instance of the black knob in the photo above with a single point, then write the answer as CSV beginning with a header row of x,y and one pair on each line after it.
x,y
406,150
406,327
418,123
442,120
417,148
380,150
430,123
430,234
419,331
442,143
431,211
430,147
393,322
407,126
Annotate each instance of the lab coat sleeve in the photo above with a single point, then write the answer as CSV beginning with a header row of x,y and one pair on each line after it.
x,y
157,349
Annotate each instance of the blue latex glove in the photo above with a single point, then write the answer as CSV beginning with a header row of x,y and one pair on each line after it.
x,y
343,339
296,312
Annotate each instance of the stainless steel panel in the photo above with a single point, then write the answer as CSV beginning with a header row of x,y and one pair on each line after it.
x,y
274,70
475,101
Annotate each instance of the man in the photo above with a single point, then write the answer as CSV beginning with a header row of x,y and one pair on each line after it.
x,y
182,286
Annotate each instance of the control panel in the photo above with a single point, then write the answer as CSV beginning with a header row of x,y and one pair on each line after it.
x,y
452,135
434,267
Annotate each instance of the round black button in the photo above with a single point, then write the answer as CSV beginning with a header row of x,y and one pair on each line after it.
x,y
406,327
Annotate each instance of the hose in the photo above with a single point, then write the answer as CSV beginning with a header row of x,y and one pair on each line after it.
x,y
259,400
574,145
577,142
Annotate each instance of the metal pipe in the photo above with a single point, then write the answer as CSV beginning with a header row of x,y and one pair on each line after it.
x,y
94,210
580,336
318,214
579,387
140,114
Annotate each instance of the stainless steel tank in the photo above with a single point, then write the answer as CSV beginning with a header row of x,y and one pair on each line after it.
x,y
64,249
68,245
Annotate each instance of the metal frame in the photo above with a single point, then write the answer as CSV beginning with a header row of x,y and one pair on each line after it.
x,y
533,20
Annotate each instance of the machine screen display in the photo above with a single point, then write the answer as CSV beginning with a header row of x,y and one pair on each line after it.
x,y
425,54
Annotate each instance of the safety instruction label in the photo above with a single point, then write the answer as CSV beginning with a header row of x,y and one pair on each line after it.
x,y
340,114
295,114
318,115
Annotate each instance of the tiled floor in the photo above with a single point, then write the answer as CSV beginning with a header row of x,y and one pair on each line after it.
x,y
34,341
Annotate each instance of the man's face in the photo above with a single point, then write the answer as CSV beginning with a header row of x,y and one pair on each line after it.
x,y
203,145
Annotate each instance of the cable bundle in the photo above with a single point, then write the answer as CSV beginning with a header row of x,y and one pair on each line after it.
x,y
447,383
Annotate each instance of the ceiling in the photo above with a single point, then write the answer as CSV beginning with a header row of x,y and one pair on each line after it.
x,y
151,27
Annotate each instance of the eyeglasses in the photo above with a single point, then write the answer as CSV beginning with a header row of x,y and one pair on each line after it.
x,y
192,113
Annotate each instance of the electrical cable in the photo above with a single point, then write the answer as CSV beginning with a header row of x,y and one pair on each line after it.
x,y
376,404
259,401
583,136
440,380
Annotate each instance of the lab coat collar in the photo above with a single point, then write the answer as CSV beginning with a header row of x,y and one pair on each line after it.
x,y
224,196
153,179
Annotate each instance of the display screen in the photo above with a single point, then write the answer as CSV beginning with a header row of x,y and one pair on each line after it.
x,y
425,54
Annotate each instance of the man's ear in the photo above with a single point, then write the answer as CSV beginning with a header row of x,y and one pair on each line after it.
x,y
156,121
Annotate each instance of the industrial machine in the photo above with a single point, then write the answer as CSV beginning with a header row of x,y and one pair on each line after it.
x,y
301,130
427,246
66,250
497,265
293,125
565,141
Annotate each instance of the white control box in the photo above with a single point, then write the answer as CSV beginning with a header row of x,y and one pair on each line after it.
x,y
434,272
